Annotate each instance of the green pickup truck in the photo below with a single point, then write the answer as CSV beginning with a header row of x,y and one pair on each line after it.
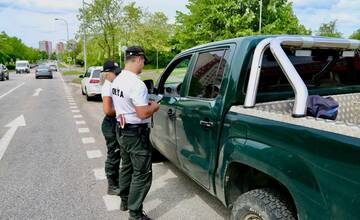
x,y
233,117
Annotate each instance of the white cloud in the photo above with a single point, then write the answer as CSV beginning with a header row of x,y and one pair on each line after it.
x,y
313,13
43,6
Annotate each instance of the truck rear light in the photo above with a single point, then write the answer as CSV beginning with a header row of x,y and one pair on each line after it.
x,y
94,81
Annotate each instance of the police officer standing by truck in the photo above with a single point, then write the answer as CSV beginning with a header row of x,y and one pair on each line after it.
x,y
108,128
133,112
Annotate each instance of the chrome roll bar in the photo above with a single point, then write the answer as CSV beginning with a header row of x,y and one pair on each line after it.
x,y
298,85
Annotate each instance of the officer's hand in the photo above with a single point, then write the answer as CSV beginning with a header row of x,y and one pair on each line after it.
x,y
154,105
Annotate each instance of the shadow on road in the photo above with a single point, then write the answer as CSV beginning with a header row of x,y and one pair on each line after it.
x,y
176,190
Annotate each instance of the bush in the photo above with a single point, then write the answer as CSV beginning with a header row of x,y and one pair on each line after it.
x,y
10,66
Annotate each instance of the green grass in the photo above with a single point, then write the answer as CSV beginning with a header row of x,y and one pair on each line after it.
x,y
61,65
77,80
72,72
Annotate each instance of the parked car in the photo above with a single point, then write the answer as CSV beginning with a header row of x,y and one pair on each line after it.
x,y
233,117
4,73
43,71
90,84
22,66
53,67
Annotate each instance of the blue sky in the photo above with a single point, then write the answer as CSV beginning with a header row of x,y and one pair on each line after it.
x,y
33,20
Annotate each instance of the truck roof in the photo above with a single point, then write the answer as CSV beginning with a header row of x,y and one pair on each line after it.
x,y
249,39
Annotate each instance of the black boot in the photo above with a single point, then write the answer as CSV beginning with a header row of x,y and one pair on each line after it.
x,y
113,187
123,206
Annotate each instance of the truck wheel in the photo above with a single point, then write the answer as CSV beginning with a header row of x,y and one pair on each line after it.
x,y
82,92
261,204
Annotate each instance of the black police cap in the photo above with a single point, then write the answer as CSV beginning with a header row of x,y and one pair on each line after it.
x,y
111,66
135,51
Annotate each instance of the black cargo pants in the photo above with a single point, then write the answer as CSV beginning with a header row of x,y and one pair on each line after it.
x,y
136,171
112,163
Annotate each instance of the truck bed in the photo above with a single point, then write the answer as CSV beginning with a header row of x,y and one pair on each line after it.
x,y
347,122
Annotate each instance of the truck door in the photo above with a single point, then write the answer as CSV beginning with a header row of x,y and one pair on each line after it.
x,y
198,114
163,134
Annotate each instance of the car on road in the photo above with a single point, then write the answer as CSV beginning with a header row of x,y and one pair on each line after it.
x,y
43,70
90,83
4,73
233,116
22,66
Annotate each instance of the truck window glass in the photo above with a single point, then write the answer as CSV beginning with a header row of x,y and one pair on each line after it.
x,y
321,69
208,74
176,77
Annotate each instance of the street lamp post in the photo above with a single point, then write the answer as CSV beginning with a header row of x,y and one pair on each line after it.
x,y
85,66
261,6
67,33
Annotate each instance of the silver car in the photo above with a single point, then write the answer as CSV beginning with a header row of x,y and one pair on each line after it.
x,y
43,71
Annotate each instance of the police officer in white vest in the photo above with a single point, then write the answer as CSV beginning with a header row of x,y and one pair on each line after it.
x,y
133,112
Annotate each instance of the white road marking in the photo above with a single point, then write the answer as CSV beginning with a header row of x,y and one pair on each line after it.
x,y
84,130
37,91
6,139
93,154
77,116
73,106
99,173
72,103
80,122
112,203
75,111
11,90
88,140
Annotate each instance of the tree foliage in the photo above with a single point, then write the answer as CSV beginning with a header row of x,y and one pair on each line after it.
x,y
12,49
127,24
211,20
329,30
356,35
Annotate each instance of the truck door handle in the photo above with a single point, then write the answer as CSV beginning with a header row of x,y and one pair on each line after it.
x,y
206,124
171,114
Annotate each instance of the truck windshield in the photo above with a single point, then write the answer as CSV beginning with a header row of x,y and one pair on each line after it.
x,y
318,68
21,65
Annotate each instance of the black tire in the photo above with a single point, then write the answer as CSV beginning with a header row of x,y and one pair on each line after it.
x,y
82,92
2,78
8,77
262,204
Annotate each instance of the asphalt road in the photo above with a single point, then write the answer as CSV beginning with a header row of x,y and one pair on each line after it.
x,y
52,166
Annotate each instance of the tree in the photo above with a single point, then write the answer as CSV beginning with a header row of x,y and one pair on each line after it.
x,y
102,17
12,49
128,25
356,35
329,30
211,20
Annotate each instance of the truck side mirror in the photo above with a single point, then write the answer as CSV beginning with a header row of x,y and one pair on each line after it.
x,y
149,85
81,76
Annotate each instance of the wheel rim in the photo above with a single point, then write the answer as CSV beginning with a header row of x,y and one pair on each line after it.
x,y
252,216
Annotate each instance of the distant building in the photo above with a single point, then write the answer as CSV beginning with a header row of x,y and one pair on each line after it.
x,y
60,47
46,46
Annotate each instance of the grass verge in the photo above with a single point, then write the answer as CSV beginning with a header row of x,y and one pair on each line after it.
x,y
72,72
77,80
